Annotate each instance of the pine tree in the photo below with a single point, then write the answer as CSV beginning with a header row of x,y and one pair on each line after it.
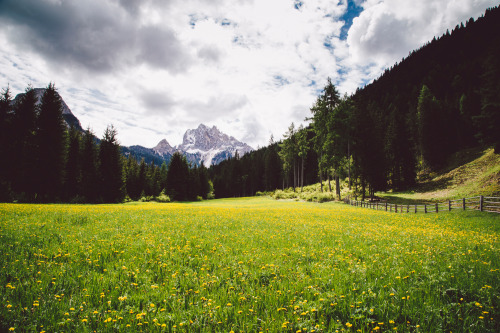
x,y
110,167
288,154
89,172
178,178
6,147
51,139
25,150
204,181
73,175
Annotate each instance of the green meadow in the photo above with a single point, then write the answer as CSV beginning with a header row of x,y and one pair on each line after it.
x,y
246,265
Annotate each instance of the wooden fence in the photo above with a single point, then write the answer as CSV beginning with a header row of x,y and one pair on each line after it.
x,y
480,203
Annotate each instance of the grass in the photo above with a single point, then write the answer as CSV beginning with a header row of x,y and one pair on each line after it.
x,y
469,173
246,265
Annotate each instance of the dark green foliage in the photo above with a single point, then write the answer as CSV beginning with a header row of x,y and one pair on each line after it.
x,y
5,146
73,175
178,178
89,172
488,121
24,146
51,140
110,168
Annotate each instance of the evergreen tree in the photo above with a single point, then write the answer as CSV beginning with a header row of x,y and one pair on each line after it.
x,y
178,178
24,158
204,181
110,167
89,173
51,139
163,176
303,148
6,148
272,167
431,127
133,185
288,154
73,165
488,121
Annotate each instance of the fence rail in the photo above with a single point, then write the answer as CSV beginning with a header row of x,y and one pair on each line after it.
x,y
480,203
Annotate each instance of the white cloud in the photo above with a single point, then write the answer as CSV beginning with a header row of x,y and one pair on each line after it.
x,y
251,67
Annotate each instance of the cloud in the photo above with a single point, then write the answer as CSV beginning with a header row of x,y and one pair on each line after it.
x,y
386,31
157,102
215,107
250,67
96,36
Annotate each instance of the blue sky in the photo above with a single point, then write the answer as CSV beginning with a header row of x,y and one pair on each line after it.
x,y
155,68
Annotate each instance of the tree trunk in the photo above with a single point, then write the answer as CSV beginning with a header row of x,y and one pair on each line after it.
x,y
337,186
349,164
321,179
363,189
294,175
329,184
302,176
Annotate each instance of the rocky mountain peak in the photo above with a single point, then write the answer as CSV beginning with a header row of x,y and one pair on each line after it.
x,y
68,116
204,144
163,148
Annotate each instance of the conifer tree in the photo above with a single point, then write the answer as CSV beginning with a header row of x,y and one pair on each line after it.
x,y
90,178
178,178
73,164
51,139
24,158
112,186
6,148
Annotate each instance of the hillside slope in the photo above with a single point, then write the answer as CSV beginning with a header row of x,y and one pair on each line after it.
x,y
469,173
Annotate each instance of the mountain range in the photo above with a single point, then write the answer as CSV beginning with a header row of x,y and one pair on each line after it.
x,y
201,145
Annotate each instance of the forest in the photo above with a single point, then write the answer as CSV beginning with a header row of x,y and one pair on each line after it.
x,y
48,162
438,100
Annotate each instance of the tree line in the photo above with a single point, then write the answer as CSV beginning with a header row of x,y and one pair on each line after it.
x,y
45,161
442,98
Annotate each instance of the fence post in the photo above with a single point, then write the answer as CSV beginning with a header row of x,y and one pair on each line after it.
x,y
425,208
437,208
415,209
396,208
481,198
449,205
386,206
463,203
407,208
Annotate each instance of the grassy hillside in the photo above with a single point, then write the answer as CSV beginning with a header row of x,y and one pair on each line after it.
x,y
469,173
246,265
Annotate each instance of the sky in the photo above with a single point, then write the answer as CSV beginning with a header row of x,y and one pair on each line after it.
x,y
155,68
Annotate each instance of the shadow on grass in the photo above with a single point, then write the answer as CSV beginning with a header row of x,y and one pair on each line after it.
x,y
399,198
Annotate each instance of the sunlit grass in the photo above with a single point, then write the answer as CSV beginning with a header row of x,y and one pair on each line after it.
x,y
246,265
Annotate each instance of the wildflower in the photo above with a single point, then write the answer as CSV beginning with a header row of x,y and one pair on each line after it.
x,y
84,320
348,324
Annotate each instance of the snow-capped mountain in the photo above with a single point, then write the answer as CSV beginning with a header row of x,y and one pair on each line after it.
x,y
68,116
204,144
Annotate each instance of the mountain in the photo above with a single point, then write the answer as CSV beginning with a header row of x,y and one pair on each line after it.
x,y
204,144
68,116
